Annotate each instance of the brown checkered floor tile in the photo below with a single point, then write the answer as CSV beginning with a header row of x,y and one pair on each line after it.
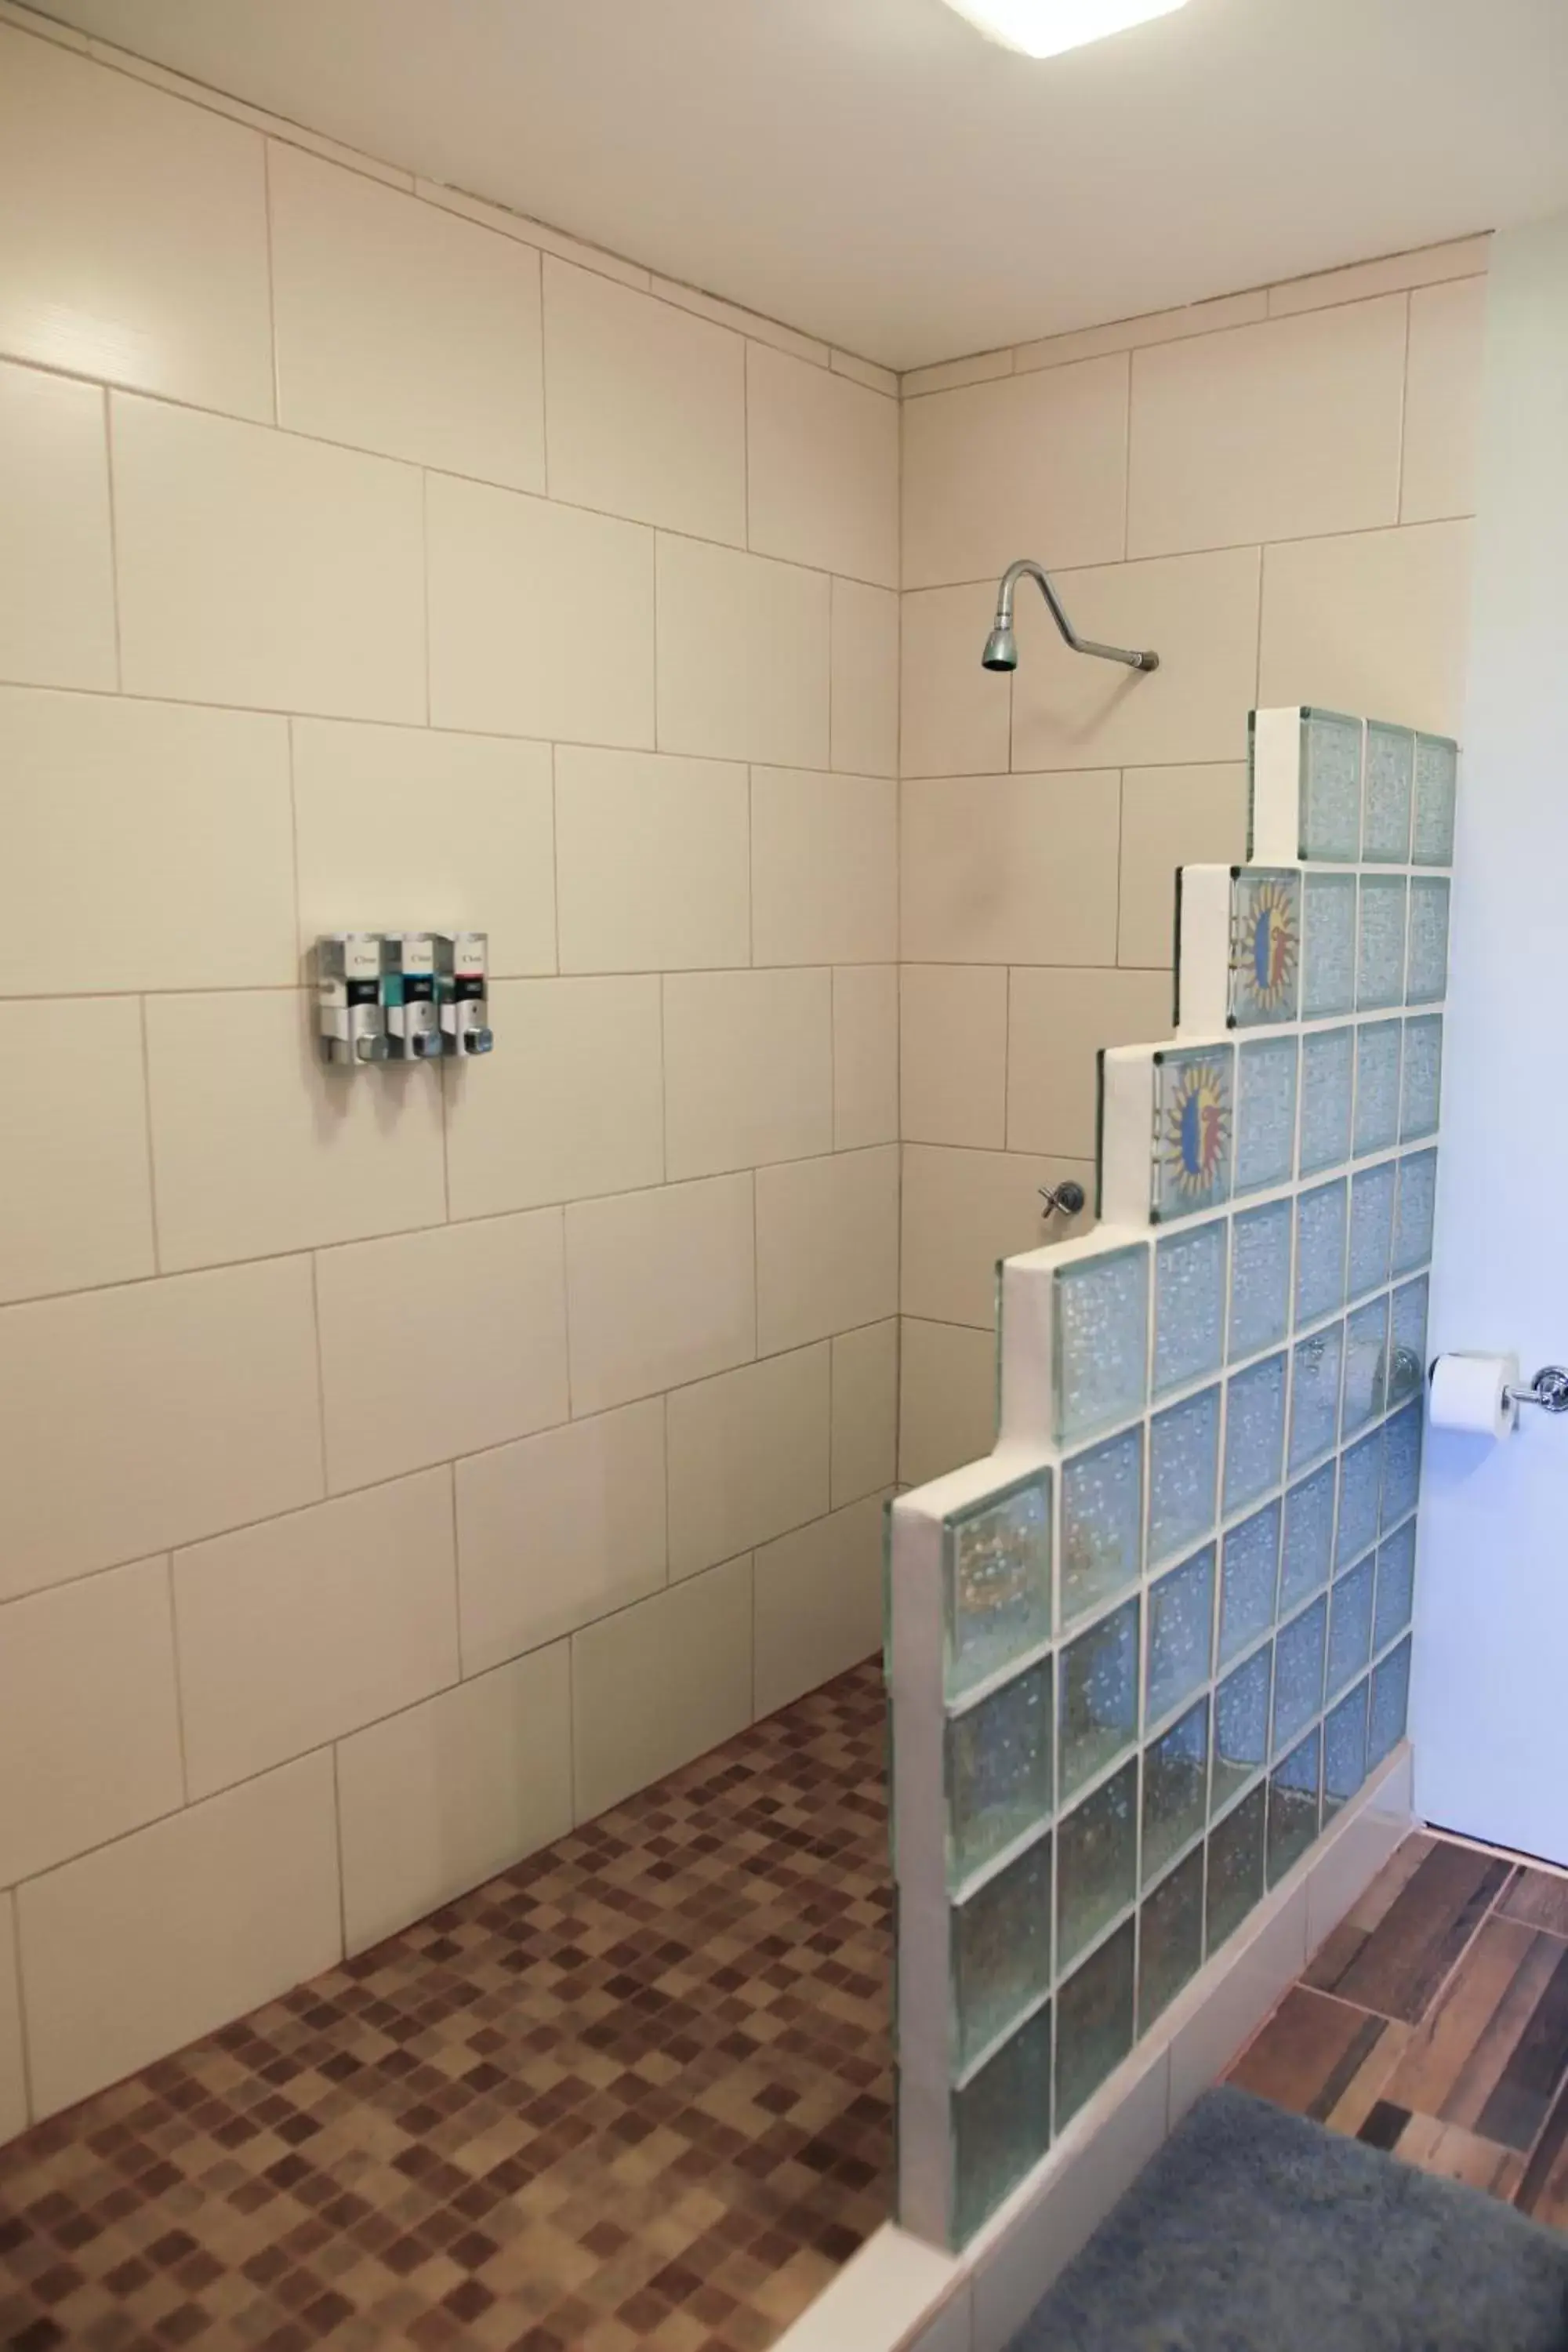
x,y
632,2097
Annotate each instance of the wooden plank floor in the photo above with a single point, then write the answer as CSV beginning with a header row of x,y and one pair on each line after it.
x,y
1434,2022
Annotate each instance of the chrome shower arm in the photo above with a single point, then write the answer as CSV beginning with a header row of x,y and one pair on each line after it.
x,y
1001,652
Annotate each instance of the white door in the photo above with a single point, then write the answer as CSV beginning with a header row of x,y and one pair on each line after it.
x,y
1490,1714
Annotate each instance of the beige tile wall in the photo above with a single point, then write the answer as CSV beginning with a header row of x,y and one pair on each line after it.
x,y
1274,492
398,1468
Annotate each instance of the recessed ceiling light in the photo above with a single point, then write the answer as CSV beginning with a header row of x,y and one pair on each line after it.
x,y
1044,28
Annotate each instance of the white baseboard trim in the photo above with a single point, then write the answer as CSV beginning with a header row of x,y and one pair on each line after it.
x,y
898,2295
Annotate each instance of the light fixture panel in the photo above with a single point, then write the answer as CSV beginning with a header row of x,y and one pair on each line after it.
x,y
1044,28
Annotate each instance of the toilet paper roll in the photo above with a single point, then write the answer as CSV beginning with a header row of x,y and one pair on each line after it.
x,y
1470,1393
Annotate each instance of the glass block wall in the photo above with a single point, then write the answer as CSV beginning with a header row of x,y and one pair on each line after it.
x,y
1143,1654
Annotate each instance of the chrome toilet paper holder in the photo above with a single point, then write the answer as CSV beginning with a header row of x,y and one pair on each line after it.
x,y
1548,1390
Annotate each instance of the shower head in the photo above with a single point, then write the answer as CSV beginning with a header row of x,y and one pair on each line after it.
x,y
1002,646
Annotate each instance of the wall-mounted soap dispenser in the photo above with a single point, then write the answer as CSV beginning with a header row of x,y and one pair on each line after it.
x,y
464,992
352,1019
412,1020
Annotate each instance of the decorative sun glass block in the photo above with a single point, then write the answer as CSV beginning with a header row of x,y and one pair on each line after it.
x,y
1189,1304
1175,1789
1366,1365
1417,1208
1380,951
1329,948
1330,787
1194,1125
1236,1867
1260,1279
1316,1365
1102,1522
1328,1076
998,1770
1390,783
1266,1112
1170,1937
1421,1093
1344,1750
1437,770
1428,981
1094,2021
1407,1348
1096,1862
1000,1949
1249,1579
1265,945
1309,1537
1350,1627
997,1563
1401,1443
1099,1697
1390,1701
1293,1798
1371,1227
1253,1431
1377,1087
1183,1475
1360,1491
1240,1728
1299,1672
1181,1635
1101,1326
1321,1222
1002,2124
1396,1587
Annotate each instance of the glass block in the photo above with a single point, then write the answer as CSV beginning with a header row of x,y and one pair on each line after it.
x,y
1330,787
1377,1087
1390,783
1407,1349
1360,1491
1328,1073
1320,1222
1315,1394
998,1770
1299,1672
1102,1522
1390,1701
1101,1341
1402,1442
1366,1365
1240,1728
1436,766
1260,1279
1249,1579
1344,1750
1170,1937
1183,1475
1098,1699
998,1564
1422,1092
1181,1635
1253,1431
1309,1537
1096,1862
1236,1867
1293,1794
1371,1227
1175,1789
1395,1588
1380,954
1265,946
1328,967
1428,981
1000,1951
1350,1627
1094,2023
1418,1206
1189,1304
1194,1125
1266,1112
1002,2124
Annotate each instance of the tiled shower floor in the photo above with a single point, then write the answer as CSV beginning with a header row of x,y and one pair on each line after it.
x,y
632,2097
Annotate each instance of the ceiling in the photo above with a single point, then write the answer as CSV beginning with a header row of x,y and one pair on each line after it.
x,y
877,172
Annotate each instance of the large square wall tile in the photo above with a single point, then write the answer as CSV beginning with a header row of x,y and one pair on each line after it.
x,y
659,1683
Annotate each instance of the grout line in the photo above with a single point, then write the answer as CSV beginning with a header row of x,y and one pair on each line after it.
x,y
451,1470
270,240
338,1846
326,1494
114,598
28,2094
1403,418
179,1679
151,1169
